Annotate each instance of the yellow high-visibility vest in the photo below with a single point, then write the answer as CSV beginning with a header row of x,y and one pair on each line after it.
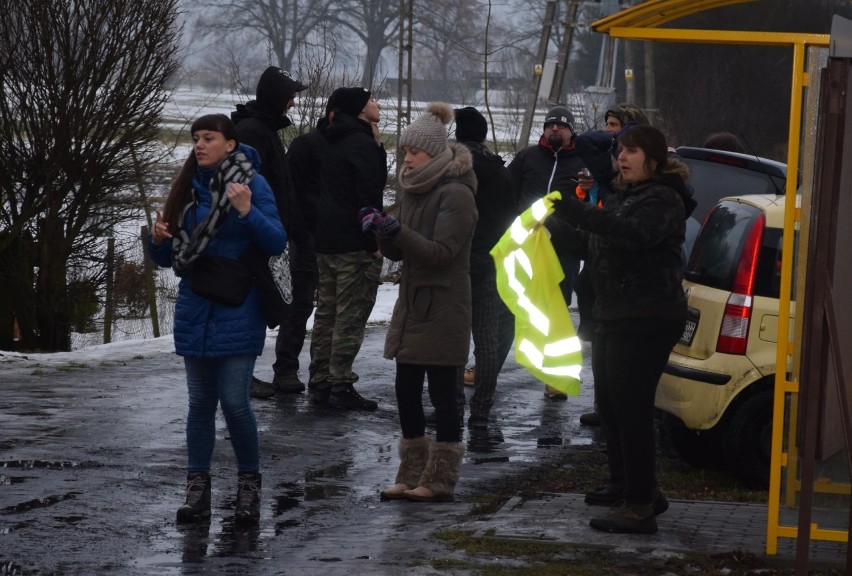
x,y
528,277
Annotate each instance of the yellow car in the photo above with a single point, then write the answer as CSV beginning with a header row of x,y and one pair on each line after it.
x,y
716,392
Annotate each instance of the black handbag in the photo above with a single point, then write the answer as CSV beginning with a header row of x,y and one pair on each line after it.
x,y
222,280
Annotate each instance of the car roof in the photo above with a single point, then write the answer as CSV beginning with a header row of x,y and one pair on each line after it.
x,y
770,204
718,173
751,161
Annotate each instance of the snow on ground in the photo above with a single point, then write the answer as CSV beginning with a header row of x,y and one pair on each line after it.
x,y
127,349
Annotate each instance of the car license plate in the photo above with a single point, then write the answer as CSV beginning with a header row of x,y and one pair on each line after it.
x,y
688,332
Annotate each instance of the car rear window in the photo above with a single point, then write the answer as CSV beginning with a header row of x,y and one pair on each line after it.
x,y
717,250
718,176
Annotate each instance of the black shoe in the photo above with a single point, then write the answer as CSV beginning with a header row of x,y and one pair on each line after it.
x,y
197,505
319,392
288,384
611,494
590,419
477,422
261,389
248,498
627,519
660,503
345,396
606,495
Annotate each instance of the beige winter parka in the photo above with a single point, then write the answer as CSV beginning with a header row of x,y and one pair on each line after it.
x,y
432,316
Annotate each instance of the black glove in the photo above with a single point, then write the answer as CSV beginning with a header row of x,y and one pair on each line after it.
x,y
569,209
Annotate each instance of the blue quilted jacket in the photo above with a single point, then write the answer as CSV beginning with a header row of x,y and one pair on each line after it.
x,y
203,328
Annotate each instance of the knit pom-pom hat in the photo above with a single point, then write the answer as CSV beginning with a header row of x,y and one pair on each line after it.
x,y
429,132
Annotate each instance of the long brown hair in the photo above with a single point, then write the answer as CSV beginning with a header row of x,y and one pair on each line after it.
x,y
180,193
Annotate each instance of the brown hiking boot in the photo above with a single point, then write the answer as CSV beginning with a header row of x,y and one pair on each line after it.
x,y
627,518
247,510
197,505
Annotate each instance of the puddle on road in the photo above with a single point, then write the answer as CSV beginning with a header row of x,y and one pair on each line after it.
x,y
11,568
50,465
39,503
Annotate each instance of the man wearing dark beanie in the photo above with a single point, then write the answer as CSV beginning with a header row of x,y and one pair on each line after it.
x,y
258,123
551,164
493,324
351,101
353,174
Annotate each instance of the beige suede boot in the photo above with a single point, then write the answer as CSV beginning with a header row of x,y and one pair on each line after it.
x,y
439,478
413,454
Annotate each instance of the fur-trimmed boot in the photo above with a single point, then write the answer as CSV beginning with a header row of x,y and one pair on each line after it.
x,y
413,455
438,481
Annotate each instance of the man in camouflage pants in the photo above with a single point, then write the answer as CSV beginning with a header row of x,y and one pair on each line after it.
x,y
352,176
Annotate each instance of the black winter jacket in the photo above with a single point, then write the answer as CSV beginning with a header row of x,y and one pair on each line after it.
x,y
633,247
259,128
538,170
495,202
352,176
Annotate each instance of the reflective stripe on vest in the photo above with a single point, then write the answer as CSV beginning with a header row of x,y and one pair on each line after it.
x,y
528,277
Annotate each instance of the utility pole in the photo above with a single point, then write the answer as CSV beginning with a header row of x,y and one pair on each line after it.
x,y
406,41
650,87
564,51
529,114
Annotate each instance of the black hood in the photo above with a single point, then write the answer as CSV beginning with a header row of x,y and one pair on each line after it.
x,y
252,109
274,89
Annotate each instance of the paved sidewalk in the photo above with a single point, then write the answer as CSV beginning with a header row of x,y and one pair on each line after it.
x,y
687,527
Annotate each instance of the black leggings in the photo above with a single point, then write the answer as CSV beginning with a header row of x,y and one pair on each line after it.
x,y
442,393
627,361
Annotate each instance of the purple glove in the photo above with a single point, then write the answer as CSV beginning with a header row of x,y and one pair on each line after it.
x,y
367,216
386,227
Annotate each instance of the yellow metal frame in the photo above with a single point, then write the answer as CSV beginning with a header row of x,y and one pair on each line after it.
x,y
641,22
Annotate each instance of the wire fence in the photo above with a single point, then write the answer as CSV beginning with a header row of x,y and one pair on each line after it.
x,y
139,289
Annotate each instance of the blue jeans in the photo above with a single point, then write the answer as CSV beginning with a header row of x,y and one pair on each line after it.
x,y
210,381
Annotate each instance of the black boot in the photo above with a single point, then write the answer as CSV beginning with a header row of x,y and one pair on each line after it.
x,y
248,498
197,505
345,396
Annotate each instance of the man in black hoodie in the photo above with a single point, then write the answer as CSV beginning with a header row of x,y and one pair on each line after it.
x,y
493,325
352,176
258,122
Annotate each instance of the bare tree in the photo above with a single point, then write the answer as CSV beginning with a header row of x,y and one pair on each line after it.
x,y
81,95
374,22
446,33
286,25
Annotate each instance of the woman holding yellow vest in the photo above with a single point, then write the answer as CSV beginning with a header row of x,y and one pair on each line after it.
x,y
633,248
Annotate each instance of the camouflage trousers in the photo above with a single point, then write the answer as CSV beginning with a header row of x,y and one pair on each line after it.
x,y
346,295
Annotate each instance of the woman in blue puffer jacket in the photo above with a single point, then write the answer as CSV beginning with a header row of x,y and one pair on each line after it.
x,y
217,207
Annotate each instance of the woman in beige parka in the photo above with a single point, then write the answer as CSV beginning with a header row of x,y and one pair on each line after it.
x,y
429,334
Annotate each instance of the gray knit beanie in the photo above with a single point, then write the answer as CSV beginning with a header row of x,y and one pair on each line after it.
x,y
429,132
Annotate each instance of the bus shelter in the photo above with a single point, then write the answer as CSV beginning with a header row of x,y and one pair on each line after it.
x,y
643,22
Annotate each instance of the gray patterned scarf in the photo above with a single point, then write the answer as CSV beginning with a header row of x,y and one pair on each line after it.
x,y
187,248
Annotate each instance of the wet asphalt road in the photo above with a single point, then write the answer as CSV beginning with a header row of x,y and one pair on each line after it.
x,y
93,459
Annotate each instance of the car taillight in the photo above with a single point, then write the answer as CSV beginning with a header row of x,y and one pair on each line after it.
x,y
733,337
